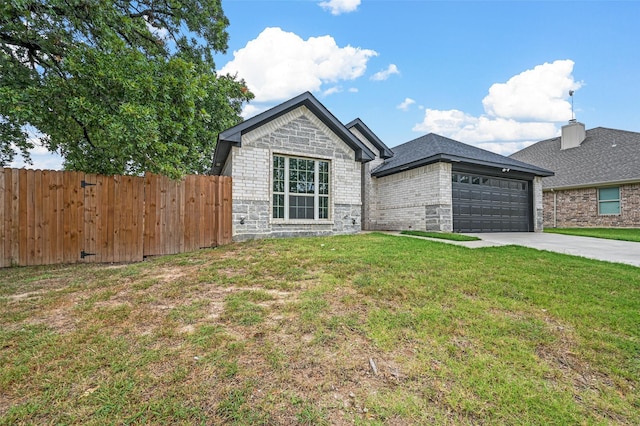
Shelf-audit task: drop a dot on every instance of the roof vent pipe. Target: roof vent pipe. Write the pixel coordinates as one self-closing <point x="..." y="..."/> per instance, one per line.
<point x="573" y="134"/>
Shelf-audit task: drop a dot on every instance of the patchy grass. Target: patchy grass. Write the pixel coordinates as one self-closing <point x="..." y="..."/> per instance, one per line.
<point x="287" y="331"/>
<point x="441" y="235"/>
<point x="623" y="234"/>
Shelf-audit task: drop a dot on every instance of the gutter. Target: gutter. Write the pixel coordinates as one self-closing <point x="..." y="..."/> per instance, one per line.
<point x="592" y="185"/>
<point x="448" y="158"/>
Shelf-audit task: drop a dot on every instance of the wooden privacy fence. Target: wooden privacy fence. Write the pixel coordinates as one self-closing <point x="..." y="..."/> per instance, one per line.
<point x="49" y="217"/>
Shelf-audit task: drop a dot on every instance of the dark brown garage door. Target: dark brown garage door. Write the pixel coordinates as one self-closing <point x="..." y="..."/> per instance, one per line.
<point x="490" y="204"/>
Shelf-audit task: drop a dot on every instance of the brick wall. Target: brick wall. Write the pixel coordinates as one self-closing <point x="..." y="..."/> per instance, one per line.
<point x="297" y="133"/>
<point x="417" y="199"/>
<point x="578" y="208"/>
<point x="368" y="188"/>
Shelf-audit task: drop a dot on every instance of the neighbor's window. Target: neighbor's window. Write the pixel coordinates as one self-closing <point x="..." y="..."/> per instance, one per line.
<point x="609" y="200"/>
<point x="300" y="188"/>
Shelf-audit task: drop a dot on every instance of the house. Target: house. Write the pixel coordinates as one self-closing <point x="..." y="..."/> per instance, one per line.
<point x="597" y="177"/>
<point x="298" y="171"/>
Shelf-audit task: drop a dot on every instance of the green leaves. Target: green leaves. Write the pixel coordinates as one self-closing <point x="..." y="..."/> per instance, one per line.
<point x="117" y="87"/>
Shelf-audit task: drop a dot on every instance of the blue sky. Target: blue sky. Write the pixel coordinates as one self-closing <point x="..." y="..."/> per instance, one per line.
<point x="493" y="74"/>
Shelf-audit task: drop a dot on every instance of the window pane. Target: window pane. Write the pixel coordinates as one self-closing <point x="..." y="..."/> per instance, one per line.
<point x="323" y="209"/>
<point x="301" y="176"/>
<point x="610" y="207"/>
<point x="323" y="178"/>
<point x="278" y="206"/>
<point x="301" y="207"/>
<point x="607" y="194"/>
<point x="463" y="179"/>
<point x="278" y="173"/>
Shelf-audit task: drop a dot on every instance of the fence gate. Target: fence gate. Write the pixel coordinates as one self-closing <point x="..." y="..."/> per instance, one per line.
<point x="113" y="218"/>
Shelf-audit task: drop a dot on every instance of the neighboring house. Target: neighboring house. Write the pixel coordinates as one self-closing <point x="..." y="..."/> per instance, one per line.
<point x="597" y="177"/>
<point x="298" y="171"/>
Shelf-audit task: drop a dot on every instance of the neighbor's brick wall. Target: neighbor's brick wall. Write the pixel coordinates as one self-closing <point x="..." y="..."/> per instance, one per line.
<point x="578" y="208"/>
<point x="418" y="199"/>
<point x="297" y="133"/>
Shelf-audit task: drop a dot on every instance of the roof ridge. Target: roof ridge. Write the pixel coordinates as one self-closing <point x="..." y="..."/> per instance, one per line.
<point x="615" y="130"/>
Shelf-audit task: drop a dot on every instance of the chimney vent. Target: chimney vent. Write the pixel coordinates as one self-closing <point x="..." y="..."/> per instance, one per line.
<point x="573" y="134"/>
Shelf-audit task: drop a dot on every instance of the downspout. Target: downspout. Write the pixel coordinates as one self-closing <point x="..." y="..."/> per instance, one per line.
<point x="555" y="208"/>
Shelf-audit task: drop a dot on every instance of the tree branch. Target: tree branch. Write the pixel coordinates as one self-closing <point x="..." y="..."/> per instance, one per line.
<point x="84" y="131"/>
<point x="9" y="39"/>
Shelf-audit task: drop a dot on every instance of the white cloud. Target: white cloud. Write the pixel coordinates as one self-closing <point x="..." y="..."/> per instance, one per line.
<point x="41" y="160"/>
<point x="385" y="74"/>
<point x="278" y="64"/>
<point x="160" y="32"/>
<point x="539" y="94"/>
<point x="336" y="7"/>
<point x="353" y="90"/>
<point x="40" y="157"/>
<point x="524" y="109"/>
<point x="406" y="104"/>
<point x="250" y="110"/>
<point x="332" y="90"/>
<point x="467" y="128"/>
<point x="505" y="148"/>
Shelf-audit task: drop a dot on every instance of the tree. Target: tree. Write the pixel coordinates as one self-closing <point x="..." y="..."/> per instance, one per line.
<point x="116" y="87"/>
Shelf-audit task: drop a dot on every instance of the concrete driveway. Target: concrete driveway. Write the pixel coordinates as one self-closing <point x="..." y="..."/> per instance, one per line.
<point x="593" y="248"/>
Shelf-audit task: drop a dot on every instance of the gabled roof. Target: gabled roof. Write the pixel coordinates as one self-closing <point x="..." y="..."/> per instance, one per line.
<point x="433" y="148"/>
<point x="233" y="136"/>
<point x="358" y="124"/>
<point x="605" y="156"/>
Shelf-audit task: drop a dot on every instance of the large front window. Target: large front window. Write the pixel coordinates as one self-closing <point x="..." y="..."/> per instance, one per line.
<point x="300" y="188"/>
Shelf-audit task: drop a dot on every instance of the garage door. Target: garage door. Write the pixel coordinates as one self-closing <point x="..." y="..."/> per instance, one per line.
<point x="490" y="204"/>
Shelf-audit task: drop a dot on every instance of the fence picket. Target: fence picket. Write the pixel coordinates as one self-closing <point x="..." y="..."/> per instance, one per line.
<point x="47" y="217"/>
<point x="4" y="237"/>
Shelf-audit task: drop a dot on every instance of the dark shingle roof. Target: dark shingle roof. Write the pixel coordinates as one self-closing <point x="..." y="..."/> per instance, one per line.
<point x="605" y="156"/>
<point x="233" y="136"/>
<point x="358" y="124"/>
<point x="432" y="148"/>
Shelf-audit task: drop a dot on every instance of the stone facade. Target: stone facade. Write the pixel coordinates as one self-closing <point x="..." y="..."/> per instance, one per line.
<point x="418" y="199"/>
<point x="298" y="133"/>
<point x="578" y="208"/>
<point x="538" y="205"/>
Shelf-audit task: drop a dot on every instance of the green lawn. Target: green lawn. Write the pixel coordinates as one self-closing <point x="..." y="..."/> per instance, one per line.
<point x="286" y="332"/>
<point x="624" y="234"/>
<point x="441" y="235"/>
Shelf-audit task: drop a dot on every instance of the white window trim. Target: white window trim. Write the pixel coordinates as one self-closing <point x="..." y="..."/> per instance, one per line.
<point x="316" y="195"/>
<point x="619" y="201"/>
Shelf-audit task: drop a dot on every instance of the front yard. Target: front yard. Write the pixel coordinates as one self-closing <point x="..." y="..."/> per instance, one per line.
<point x="367" y="329"/>
<point x="623" y="234"/>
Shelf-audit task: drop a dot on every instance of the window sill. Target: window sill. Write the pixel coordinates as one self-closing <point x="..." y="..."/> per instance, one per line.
<point x="301" y="222"/>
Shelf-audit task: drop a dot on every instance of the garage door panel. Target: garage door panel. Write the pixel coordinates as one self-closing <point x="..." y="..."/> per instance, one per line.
<point x="489" y="204"/>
